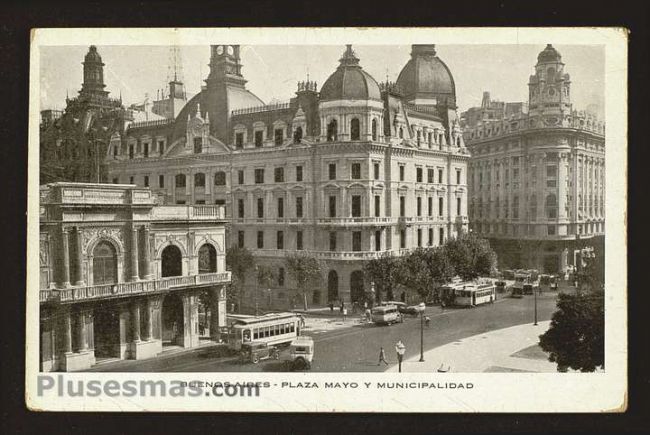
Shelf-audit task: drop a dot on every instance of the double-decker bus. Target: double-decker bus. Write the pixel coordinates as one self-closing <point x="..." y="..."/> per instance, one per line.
<point x="272" y="328"/>
<point x="475" y="293"/>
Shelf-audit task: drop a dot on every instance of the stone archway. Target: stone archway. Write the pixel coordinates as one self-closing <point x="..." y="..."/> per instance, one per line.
<point x="332" y="286"/>
<point x="173" y="320"/>
<point x="104" y="263"/>
<point x="357" y="291"/>
<point x="171" y="261"/>
<point x="207" y="259"/>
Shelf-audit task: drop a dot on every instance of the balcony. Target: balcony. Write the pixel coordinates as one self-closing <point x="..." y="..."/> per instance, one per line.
<point x="189" y="212"/>
<point x="123" y="289"/>
<point x="355" y="221"/>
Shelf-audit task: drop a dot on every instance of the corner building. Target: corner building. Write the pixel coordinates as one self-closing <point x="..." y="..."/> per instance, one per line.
<point x="537" y="178"/>
<point x="344" y="174"/>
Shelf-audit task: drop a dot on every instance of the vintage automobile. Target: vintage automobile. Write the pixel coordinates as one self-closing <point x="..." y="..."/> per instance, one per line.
<point x="256" y="351"/>
<point x="301" y="353"/>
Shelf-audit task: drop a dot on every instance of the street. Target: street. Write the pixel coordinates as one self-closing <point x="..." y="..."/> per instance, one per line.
<point x="355" y="348"/>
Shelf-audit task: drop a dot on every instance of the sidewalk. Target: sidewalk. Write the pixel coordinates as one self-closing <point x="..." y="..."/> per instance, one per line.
<point x="511" y="349"/>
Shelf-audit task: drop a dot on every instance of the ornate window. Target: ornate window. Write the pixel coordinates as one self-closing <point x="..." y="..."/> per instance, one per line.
<point x="355" y="129"/>
<point x="550" y="206"/>
<point x="199" y="180"/>
<point x="207" y="259"/>
<point x="220" y="178"/>
<point x="180" y="180"/>
<point x="332" y="130"/>
<point x="374" y="129"/>
<point x="104" y="264"/>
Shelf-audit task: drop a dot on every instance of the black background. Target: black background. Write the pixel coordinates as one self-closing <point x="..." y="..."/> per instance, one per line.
<point x="16" y="20"/>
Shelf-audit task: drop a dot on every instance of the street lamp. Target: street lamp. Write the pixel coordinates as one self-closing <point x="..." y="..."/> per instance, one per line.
<point x="421" y="308"/>
<point x="535" y="293"/>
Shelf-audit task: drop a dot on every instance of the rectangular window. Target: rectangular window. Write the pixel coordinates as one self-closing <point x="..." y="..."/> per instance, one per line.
<point x="279" y="175"/>
<point x="551" y="171"/>
<point x="376" y="170"/>
<point x="356" y="241"/>
<point x="116" y="181"/>
<point x="356" y="171"/>
<point x="299" y="240"/>
<point x="146" y="181"/>
<point x="239" y="140"/>
<point x="199" y="180"/>
<point x="333" y="241"/>
<point x="280" y="240"/>
<point x="332" y="206"/>
<point x="146" y="149"/>
<point x="458" y="206"/>
<point x="240" y="239"/>
<point x="402" y="206"/>
<point x="419" y="237"/>
<point x="260" y="240"/>
<point x="378" y="240"/>
<point x="161" y="181"/>
<point x="280" y="207"/>
<point x="298" y="173"/>
<point x="430" y="175"/>
<point x="551" y="230"/>
<point x="180" y="202"/>
<point x="332" y="171"/>
<point x="401" y="172"/>
<point x="430" y="236"/>
<point x="441" y="236"/>
<point x="299" y="206"/>
<point x="356" y="206"/>
<point x="259" y="138"/>
<point x="131" y="151"/>
<point x="418" y="175"/>
<point x="240" y="177"/>
<point x="161" y="147"/>
<point x="377" y="205"/>
<point x="131" y="180"/>
<point x="441" y="203"/>
<point x="402" y="239"/>
<point x="278" y="136"/>
<point x="198" y="145"/>
<point x="260" y="208"/>
<point x="281" y="277"/>
<point x="419" y="205"/>
<point x="430" y="206"/>
<point x="440" y="172"/>
<point x="457" y="176"/>
<point x="259" y="176"/>
<point x="199" y="201"/>
<point x="240" y="208"/>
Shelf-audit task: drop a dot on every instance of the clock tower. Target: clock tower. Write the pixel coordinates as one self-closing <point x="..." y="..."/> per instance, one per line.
<point x="549" y="88"/>
<point x="225" y="66"/>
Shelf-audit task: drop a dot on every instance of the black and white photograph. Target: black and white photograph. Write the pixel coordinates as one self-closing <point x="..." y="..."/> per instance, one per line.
<point x="407" y="211"/>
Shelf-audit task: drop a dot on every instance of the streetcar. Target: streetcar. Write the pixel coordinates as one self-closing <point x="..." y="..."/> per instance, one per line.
<point x="272" y="329"/>
<point x="476" y="293"/>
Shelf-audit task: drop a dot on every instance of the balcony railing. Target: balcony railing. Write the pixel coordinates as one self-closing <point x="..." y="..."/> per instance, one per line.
<point x="189" y="212"/>
<point x="122" y="289"/>
<point x="356" y="220"/>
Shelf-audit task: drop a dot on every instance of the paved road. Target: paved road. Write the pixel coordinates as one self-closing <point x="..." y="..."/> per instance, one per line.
<point x="356" y="349"/>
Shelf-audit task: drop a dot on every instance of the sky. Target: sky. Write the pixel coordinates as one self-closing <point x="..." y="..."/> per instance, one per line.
<point x="272" y="71"/>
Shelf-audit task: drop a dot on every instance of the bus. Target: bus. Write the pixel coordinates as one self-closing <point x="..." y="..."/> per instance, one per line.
<point x="272" y="328"/>
<point x="476" y="293"/>
<point x="385" y="315"/>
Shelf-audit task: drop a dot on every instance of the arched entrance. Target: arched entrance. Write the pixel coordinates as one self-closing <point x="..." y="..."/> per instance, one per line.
<point x="332" y="286"/>
<point x="172" y="320"/>
<point x="357" y="293"/>
<point x="104" y="264"/>
<point x="207" y="259"/>
<point x="172" y="261"/>
<point x="106" y="331"/>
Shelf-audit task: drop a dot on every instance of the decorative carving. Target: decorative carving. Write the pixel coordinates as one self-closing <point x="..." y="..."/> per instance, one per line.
<point x="91" y="234"/>
<point x="44" y="253"/>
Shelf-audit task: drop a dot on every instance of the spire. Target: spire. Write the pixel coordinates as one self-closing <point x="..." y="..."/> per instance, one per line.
<point x="349" y="57"/>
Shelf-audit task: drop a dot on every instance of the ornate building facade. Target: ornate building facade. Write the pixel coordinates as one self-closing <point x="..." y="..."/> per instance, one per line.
<point x="121" y="276"/>
<point x="344" y="174"/>
<point x="537" y="179"/>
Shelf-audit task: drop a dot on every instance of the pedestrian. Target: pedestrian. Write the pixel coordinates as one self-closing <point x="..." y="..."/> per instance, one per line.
<point x="368" y="315"/>
<point x="331" y="307"/>
<point x="302" y="321"/>
<point x="382" y="357"/>
<point x="442" y="304"/>
<point x="345" y="313"/>
<point x="427" y="321"/>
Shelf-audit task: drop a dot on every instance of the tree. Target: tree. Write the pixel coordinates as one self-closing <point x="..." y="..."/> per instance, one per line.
<point x="265" y="277"/>
<point x="239" y="261"/>
<point x="306" y="271"/>
<point x="383" y="271"/>
<point x="576" y="338"/>
<point x="471" y="256"/>
<point x="414" y="272"/>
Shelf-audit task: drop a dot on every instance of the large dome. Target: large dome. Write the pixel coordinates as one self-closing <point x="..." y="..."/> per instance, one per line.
<point x="549" y="54"/>
<point x="350" y="81"/>
<point x="426" y="77"/>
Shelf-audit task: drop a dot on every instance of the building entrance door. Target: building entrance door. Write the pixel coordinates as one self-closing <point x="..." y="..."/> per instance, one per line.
<point x="357" y="293"/>
<point x="106" y="329"/>
<point x="332" y="286"/>
<point x="172" y="320"/>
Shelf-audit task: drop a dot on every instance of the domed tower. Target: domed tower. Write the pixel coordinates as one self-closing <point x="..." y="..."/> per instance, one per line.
<point x="93" y="83"/>
<point x="350" y="103"/>
<point x="549" y="87"/>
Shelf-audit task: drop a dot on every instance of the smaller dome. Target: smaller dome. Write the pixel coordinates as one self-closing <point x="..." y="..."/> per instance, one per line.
<point x="350" y="81"/>
<point x="93" y="55"/>
<point x="549" y="54"/>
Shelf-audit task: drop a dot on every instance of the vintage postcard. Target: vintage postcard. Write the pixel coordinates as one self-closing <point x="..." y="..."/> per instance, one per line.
<point x="327" y="220"/>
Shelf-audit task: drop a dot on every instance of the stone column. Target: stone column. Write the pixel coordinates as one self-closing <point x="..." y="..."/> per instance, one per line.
<point x="214" y="313"/>
<point x="65" y="248"/>
<point x="81" y="331"/>
<point x="67" y="332"/>
<point x="146" y="248"/>
<point x="135" y="321"/>
<point x="148" y="330"/>
<point x="78" y="276"/>
<point x="134" y="254"/>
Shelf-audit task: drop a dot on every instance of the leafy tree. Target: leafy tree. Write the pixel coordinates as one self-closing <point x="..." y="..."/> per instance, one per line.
<point x="306" y="271"/>
<point x="414" y="272"/>
<point x="576" y="338"/>
<point x="239" y="261"/>
<point x="383" y="271"/>
<point x="471" y="256"/>
<point x="265" y="278"/>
